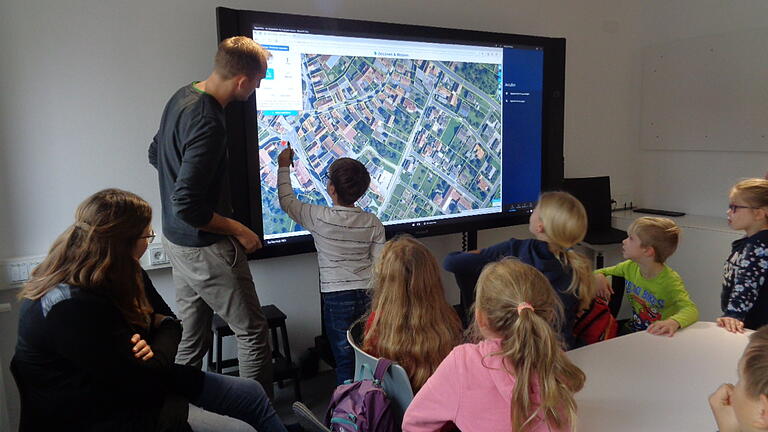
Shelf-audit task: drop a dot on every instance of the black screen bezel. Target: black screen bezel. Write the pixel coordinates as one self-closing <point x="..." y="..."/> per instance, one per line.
<point x="242" y="132"/>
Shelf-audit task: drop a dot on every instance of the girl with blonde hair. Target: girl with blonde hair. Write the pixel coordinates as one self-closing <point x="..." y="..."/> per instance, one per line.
<point x="557" y="223"/>
<point x="517" y="377"/>
<point x="744" y="298"/>
<point x="410" y="322"/>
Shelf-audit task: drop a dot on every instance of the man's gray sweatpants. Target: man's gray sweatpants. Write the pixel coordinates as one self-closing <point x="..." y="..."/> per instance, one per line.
<point x="217" y="278"/>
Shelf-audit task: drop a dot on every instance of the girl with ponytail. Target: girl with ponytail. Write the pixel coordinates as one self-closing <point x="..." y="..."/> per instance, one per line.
<point x="517" y="377"/>
<point x="558" y="223"/>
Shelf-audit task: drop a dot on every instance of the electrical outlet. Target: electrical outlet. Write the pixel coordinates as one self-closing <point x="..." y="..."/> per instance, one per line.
<point x="34" y="262"/>
<point x="18" y="270"/>
<point x="157" y="255"/>
<point x="623" y="201"/>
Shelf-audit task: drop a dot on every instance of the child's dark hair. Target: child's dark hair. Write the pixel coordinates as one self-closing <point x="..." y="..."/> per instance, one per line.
<point x="350" y="178"/>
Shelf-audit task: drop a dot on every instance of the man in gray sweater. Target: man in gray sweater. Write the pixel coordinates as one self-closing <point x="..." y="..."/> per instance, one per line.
<point x="207" y="248"/>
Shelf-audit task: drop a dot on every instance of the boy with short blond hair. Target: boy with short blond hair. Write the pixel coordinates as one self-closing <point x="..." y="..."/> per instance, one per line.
<point x="662" y="234"/>
<point x="660" y="302"/>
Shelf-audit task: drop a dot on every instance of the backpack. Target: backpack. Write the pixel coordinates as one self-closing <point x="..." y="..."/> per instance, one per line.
<point x="362" y="406"/>
<point x="596" y="323"/>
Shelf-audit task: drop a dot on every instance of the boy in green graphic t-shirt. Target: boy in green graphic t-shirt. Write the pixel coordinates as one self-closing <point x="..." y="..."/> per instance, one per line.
<point x="657" y="293"/>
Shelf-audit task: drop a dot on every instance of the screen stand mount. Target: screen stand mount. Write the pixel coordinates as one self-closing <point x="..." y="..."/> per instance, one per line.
<point x="469" y="240"/>
<point x="468" y="243"/>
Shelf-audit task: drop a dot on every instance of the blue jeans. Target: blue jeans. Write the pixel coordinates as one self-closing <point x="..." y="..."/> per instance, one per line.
<point x="341" y="309"/>
<point x="229" y="403"/>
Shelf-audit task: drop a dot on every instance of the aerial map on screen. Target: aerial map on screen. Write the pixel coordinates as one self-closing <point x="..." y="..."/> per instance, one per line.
<point x="428" y="131"/>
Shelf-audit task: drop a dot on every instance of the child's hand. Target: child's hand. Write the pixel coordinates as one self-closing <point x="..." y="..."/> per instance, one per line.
<point x="720" y="403"/>
<point x="141" y="348"/>
<point x="731" y="324"/>
<point x="284" y="158"/>
<point x="664" y="327"/>
<point x="604" y="288"/>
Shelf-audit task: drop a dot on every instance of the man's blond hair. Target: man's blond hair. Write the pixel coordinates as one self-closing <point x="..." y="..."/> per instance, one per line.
<point x="240" y="55"/>
<point x="662" y="234"/>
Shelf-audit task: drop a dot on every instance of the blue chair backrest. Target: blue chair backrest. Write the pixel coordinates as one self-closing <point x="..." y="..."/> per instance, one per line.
<point x="396" y="382"/>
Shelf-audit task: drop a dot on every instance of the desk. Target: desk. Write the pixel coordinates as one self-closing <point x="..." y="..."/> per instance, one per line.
<point x="621" y="220"/>
<point x="641" y="382"/>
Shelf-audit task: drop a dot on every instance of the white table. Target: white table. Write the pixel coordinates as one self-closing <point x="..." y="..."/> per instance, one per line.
<point x="641" y="382"/>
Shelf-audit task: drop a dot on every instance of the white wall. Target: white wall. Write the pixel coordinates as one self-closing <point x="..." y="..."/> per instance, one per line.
<point x="85" y="81"/>
<point x="697" y="182"/>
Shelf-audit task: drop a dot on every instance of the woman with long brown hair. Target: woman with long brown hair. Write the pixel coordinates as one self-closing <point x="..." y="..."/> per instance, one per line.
<point x="96" y="342"/>
<point x="410" y="322"/>
<point x="516" y="377"/>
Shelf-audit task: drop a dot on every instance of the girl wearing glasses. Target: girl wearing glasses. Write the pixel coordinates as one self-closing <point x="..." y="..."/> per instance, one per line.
<point x="96" y="342"/>
<point x="744" y="299"/>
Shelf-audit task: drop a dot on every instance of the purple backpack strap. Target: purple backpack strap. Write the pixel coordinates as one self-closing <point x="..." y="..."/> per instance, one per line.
<point x="381" y="368"/>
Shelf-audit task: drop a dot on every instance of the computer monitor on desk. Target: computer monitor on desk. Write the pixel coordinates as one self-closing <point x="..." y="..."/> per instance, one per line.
<point x="595" y="194"/>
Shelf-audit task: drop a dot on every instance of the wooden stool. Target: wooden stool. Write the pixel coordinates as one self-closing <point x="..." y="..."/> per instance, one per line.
<point x="282" y="366"/>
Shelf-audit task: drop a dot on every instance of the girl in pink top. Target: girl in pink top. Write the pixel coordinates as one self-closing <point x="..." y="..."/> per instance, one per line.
<point x="517" y="378"/>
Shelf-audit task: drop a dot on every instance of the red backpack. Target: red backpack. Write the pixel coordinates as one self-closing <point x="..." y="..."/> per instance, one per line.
<point x="596" y="323"/>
